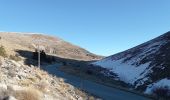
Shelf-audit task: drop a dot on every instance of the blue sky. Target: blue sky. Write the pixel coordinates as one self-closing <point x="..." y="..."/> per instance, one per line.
<point x="103" y="27"/>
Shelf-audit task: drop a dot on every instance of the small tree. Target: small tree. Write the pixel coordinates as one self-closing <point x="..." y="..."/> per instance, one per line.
<point x="42" y="55"/>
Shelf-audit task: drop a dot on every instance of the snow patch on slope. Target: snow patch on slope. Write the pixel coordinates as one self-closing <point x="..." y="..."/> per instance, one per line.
<point x="133" y="64"/>
<point x="125" y="71"/>
<point x="162" y="83"/>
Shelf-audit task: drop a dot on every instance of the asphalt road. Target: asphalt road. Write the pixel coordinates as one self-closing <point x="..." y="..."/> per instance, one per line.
<point x="105" y="92"/>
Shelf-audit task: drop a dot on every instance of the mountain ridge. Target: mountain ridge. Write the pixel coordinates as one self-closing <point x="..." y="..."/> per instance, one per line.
<point x="143" y="65"/>
<point x="53" y="45"/>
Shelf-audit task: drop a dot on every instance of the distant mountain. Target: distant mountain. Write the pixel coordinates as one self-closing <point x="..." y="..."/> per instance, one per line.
<point x="144" y="66"/>
<point x="53" y="45"/>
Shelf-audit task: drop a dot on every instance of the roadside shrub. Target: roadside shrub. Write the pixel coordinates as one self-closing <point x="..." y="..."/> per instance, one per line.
<point x="2" y="52"/>
<point x="16" y="58"/>
<point x="162" y="92"/>
<point x="43" y="57"/>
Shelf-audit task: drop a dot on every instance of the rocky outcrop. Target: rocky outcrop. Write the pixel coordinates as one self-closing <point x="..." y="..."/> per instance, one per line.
<point x="19" y="81"/>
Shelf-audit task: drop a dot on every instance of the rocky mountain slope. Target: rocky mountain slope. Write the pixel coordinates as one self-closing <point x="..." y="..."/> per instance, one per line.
<point x="21" y="82"/>
<point x="146" y="66"/>
<point x="53" y="45"/>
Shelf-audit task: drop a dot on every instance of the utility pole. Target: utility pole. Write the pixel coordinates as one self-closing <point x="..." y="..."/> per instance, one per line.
<point x="81" y="84"/>
<point x="81" y="80"/>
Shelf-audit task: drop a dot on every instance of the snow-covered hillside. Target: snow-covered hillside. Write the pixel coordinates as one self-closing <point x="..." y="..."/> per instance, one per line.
<point x="143" y="65"/>
<point x="124" y="69"/>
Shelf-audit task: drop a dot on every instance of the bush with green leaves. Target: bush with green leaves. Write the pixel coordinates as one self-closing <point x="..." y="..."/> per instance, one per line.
<point x="2" y="52"/>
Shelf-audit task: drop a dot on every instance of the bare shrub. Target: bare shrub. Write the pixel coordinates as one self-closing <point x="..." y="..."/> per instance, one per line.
<point x="43" y="86"/>
<point x="2" y="52"/>
<point x="162" y="92"/>
<point x="25" y="82"/>
<point x="28" y="94"/>
<point x="15" y="58"/>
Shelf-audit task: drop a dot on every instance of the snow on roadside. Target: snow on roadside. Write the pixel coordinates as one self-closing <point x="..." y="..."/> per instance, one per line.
<point x="161" y="83"/>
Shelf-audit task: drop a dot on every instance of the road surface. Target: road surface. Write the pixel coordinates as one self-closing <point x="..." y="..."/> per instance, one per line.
<point x="105" y="92"/>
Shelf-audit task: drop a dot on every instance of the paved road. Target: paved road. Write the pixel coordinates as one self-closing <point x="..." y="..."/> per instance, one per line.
<point x="107" y="93"/>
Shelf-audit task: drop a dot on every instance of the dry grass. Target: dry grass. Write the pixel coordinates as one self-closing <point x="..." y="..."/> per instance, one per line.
<point x="15" y="57"/>
<point x="91" y="98"/>
<point x="3" y="51"/>
<point x="33" y="79"/>
<point x="24" y="94"/>
<point x="1" y="61"/>
<point x="43" y="86"/>
<point x="80" y="93"/>
<point x="14" y="41"/>
<point x="40" y="74"/>
<point x="28" y="94"/>
<point x="25" y="82"/>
